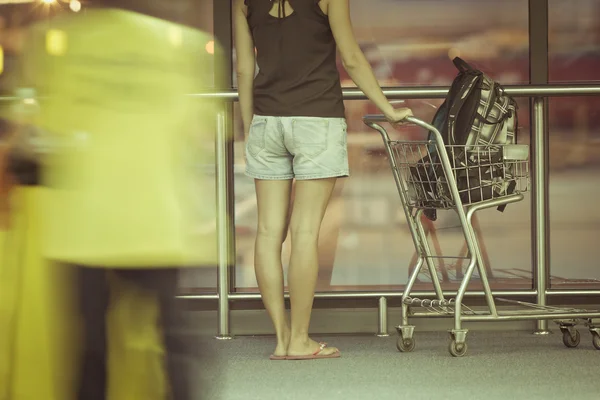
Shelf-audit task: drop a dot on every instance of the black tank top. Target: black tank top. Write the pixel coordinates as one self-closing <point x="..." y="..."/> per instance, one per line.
<point x="296" y="57"/>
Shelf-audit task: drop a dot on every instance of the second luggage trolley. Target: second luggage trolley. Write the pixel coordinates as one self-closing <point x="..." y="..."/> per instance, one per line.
<point x="426" y="174"/>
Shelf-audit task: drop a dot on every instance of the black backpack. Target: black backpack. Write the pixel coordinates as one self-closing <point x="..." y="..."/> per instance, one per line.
<point x="476" y="112"/>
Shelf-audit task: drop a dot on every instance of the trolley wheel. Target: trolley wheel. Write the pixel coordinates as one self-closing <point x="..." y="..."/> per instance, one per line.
<point x="405" y="345"/>
<point x="457" y="349"/>
<point x="596" y="341"/>
<point x="569" y="341"/>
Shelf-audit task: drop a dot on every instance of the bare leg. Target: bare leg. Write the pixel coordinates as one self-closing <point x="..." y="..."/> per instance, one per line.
<point x="329" y="236"/>
<point x="310" y="202"/>
<point x="273" y="198"/>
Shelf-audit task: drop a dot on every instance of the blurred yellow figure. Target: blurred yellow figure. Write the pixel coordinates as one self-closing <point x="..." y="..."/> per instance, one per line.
<point x="127" y="167"/>
<point x="127" y="199"/>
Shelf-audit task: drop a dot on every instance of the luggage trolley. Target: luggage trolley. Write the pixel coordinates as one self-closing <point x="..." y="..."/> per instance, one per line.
<point x="426" y="174"/>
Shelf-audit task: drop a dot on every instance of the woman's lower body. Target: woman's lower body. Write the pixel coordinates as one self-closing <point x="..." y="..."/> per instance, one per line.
<point x="313" y="151"/>
<point x="158" y="285"/>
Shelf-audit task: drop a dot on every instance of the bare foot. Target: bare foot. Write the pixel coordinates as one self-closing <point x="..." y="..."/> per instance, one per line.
<point x="309" y="347"/>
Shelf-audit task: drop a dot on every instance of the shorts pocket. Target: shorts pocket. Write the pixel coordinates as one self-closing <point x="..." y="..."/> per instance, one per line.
<point x="344" y="133"/>
<point x="256" y="136"/>
<point x="310" y="136"/>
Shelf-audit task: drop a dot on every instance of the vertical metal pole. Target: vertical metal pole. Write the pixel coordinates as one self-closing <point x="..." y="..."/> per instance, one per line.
<point x="383" y="318"/>
<point x="538" y="75"/>
<point x="540" y="208"/>
<point x="223" y="275"/>
<point x="222" y="26"/>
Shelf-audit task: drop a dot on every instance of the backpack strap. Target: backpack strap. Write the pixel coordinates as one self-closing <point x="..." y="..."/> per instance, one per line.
<point x="460" y="101"/>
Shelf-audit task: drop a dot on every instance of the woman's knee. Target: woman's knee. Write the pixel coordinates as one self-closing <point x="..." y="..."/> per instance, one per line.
<point x="271" y="234"/>
<point x="304" y="232"/>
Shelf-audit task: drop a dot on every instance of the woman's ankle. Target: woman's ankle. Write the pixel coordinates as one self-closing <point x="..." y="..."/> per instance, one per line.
<point x="283" y="335"/>
<point x="299" y="338"/>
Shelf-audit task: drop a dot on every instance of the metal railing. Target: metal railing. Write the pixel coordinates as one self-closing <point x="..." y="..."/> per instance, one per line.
<point x="432" y="92"/>
<point x="539" y="185"/>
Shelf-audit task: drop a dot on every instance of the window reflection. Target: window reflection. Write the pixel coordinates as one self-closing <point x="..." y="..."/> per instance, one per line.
<point x="574" y="190"/>
<point x="365" y="242"/>
<point x="574" y="46"/>
<point x="574" y="41"/>
<point x="411" y="42"/>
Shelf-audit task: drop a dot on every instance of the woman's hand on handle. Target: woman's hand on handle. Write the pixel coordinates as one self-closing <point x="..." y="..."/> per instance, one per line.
<point x="398" y="115"/>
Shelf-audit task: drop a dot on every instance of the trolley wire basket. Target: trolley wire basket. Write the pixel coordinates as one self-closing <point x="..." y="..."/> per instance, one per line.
<point x="480" y="172"/>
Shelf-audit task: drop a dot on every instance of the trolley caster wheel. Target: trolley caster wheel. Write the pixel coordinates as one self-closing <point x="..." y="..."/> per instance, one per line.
<point x="405" y="345"/>
<point x="457" y="349"/>
<point x="569" y="341"/>
<point x="596" y="341"/>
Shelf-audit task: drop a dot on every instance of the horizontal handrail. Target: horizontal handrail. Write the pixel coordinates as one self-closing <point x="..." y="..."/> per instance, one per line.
<point x="429" y="92"/>
<point x="432" y="92"/>
<point x="366" y="295"/>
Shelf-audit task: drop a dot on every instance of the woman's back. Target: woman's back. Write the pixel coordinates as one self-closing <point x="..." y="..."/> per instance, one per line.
<point x="296" y="56"/>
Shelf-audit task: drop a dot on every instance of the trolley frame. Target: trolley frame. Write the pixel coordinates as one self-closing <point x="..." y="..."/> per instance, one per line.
<point x="567" y="318"/>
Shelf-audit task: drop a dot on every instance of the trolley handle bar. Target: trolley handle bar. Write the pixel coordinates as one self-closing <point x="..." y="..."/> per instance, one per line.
<point x="373" y="119"/>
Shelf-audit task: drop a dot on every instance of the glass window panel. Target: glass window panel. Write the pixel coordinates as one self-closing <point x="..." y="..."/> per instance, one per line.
<point x="574" y="40"/>
<point x="365" y="242"/>
<point x="574" y="191"/>
<point x="411" y="42"/>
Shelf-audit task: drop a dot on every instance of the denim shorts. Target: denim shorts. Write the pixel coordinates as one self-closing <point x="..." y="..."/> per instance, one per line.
<point x="297" y="147"/>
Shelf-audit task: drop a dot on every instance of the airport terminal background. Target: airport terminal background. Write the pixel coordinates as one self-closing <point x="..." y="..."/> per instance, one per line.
<point x="410" y="43"/>
<point x="365" y="242"/>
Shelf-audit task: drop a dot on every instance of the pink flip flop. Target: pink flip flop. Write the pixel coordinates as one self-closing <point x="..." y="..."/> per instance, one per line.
<point x="273" y="357"/>
<point x="316" y="355"/>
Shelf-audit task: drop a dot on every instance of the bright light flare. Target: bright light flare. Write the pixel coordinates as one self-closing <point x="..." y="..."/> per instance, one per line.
<point x="75" y="5"/>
